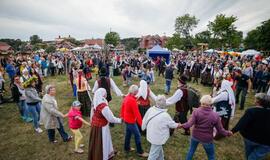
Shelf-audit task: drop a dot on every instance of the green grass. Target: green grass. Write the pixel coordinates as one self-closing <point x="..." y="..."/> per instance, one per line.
<point x="19" y="141"/>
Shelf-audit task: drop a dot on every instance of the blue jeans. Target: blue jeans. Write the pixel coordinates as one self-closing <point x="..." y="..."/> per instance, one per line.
<point x="61" y="130"/>
<point x="35" y="112"/>
<point x="23" y="108"/>
<point x="208" y="147"/>
<point x="133" y="129"/>
<point x="255" y="151"/>
<point x="74" y="90"/>
<point x="168" y="85"/>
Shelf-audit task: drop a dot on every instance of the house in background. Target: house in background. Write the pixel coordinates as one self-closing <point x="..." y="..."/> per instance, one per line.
<point x="150" y="41"/>
<point x="92" y="42"/>
<point x="5" y="49"/>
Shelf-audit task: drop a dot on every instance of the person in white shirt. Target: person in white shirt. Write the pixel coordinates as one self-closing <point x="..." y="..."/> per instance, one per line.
<point x="158" y="122"/>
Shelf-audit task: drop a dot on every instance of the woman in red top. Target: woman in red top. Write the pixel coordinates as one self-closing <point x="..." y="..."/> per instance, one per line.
<point x="100" y="143"/>
<point x="75" y="122"/>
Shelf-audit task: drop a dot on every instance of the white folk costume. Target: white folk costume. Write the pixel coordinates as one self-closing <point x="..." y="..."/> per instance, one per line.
<point x="100" y="143"/>
<point x="206" y="76"/>
<point x="107" y="83"/>
<point x="224" y="103"/>
<point x="143" y="95"/>
<point x="180" y="99"/>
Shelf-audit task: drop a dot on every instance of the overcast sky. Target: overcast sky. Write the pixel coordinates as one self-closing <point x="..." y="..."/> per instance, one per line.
<point x="130" y="18"/>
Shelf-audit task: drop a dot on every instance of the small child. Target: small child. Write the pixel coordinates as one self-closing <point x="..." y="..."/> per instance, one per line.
<point x="75" y="123"/>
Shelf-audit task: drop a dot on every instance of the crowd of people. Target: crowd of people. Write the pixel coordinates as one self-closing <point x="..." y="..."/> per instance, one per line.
<point x="231" y="79"/>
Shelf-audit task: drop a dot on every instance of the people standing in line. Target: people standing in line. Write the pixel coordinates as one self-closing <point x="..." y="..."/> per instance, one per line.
<point x="158" y="122"/>
<point x="51" y="117"/>
<point x="243" y="86"/>
<point x="131" y="116"/>
<point x="75" y="122"/>
<point x="204" y="120"/>
<point x="100" y="142"/>
<point x="255" y="129"/>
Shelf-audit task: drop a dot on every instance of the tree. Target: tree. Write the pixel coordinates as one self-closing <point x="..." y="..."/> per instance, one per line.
<point x="15" y="44"/>
<point x="185" y="24"/>
<point x="112" y="38"/>
<point x="175" y="42"/>
<point x="224" y="31"/>
<point x="203" y="37"/>
<point x="130" y="43"/>
<point x="34" y="39"/>
<point x="259" y="38"/>
<point x="50" y="49"/>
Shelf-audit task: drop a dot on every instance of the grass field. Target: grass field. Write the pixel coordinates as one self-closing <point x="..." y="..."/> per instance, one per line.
<point x="20" y="142"/>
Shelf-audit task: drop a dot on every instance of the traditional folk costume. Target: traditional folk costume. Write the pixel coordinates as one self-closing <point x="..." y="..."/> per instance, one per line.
<point x="195" y="71"/>
<point x="107" y="83"/>
<point x="224" y="103"/>
<point x="143" y="96"/>
<point x="83" y="97"/>
<point x="100" y="143"/>
<point x="180" y="99"/>
<point x="187" y="72"/>
<point x="206" y="77"/>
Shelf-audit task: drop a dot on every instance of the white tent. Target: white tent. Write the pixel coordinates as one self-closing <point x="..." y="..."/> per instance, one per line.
<point x="250" y="52"/>
<point x="211" y="51"/>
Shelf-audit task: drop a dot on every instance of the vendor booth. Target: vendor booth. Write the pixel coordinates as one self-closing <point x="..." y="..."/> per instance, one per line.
<point x="158" y="51"/>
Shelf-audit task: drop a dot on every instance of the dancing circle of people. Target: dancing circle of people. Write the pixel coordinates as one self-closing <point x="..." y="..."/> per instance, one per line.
<point x="210" y="114"/>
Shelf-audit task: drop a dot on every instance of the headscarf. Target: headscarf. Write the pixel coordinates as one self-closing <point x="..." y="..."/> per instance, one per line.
<point x="227" y="86"/>
<point x="99" y="97"/>
<point x="142" y="92"/>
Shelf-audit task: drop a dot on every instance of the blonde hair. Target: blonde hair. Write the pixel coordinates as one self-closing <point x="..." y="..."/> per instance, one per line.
<point x="206" y="100"/>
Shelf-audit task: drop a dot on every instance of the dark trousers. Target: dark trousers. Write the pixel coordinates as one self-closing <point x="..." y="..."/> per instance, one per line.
<point x="133" y="129"/>
<point x="182" y="118"/>
<point x="243" y="92"/>
<point x="61" y="130"/>
<point x="261" y="86"/>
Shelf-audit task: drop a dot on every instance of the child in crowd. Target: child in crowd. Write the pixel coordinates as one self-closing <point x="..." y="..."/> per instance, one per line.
<point x="75" y="123"/>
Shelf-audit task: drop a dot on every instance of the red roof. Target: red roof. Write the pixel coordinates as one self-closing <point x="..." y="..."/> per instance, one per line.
<point x="5" y="47"/>
<point x="99" y="42"/>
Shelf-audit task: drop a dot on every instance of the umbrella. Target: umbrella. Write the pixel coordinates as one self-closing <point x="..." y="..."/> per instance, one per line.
<point x="250" y="52"/>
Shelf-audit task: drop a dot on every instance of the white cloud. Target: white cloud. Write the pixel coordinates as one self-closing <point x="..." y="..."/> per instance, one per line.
<point x="89" y="18"/>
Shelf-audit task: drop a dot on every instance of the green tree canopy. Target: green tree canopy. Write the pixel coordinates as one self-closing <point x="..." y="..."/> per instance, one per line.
<point x="130" y="43"/>
<point x="175" y="42"/>
<point x="34" y="39"/>
<point x="259" y="38"/>
<point x="112" y="38"/>
<point x="224" y="31"/>
<point x="185" y="24"/>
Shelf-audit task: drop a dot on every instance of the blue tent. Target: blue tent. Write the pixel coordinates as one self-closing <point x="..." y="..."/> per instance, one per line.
<point x="158" y="51"/>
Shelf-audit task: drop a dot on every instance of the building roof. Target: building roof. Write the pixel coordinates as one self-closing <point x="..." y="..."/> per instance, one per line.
<point x="99" y="42"/>
<point x="5" y="47"/>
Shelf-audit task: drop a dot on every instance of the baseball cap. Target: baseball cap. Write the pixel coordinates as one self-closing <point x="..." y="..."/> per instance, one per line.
<point x="76" y="103"/>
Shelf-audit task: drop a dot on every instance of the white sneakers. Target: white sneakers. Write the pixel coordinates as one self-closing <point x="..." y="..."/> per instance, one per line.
<point x="38" y="130"/>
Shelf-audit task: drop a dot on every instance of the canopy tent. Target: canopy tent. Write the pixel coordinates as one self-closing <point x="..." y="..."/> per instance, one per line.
<point x="211" y="51"/>
<point x="250" y="52"/>
<point x="159" y="51"/>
